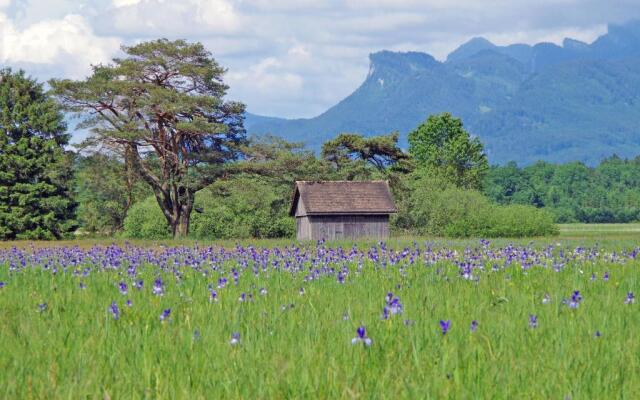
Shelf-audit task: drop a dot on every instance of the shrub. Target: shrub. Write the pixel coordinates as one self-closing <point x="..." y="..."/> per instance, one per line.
<point x="441" y="210"/>
<point x="241" y="207"/>
<point x="146" y="221"/>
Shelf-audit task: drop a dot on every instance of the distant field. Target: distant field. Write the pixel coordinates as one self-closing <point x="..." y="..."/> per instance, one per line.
<point x="605" y="231"/>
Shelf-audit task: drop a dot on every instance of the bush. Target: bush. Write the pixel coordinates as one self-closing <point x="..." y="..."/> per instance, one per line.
<point x="146" y="221"/>
<point x="442" y="210"/>
<point x="237" y="208"/>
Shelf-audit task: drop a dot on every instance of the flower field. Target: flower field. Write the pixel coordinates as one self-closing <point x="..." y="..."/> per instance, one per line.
<point x="413" y="320"/>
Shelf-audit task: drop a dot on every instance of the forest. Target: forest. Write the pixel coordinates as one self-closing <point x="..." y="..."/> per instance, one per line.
<point x="168" y="155"/>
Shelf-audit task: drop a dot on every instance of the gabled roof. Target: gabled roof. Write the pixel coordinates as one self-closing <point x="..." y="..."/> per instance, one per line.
<point x="342" y="197"/>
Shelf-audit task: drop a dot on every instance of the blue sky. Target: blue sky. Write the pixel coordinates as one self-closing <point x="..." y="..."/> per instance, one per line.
<point x="288" y="58"/>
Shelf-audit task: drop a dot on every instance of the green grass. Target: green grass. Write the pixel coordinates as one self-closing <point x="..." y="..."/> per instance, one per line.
<point x="76" y="349"/>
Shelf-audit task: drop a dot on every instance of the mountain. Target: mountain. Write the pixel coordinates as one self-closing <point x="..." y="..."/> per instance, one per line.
<point x="547" y="102"/>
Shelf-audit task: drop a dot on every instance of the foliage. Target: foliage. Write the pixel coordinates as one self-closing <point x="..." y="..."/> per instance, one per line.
<point x="36" y="199"/>
<point x="162" y="109"/>
<point x="146" y="221"/>
<point x="239" y="207"/>
<point x="105" y="191"/>
<point x="573" y="192"/>
<point x="438" y="208"/>
<point x="379" y="151"/>
<point x="442" y="144"/>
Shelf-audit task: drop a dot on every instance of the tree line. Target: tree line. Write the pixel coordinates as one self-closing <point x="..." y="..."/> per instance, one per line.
<point x="168" y="155"/>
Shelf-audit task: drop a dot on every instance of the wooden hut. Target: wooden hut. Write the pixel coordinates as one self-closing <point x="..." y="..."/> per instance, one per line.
<point x="342" y="209"/>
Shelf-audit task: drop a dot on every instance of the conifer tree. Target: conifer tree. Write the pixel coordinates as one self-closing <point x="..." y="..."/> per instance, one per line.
<point x="36" y="199"/>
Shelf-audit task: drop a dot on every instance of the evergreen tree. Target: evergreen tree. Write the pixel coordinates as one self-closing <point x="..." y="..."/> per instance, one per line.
<point x="36" y="199"/>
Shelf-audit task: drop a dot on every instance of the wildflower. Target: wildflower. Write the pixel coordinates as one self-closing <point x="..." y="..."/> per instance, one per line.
<point x="263" y="292"/>
<point x="114" y="310"/>
<point x="165" y="314"/>
<point x="533" y="321"/>
<point x="42" y="307"/>
<point x="196" y="335"/>
<point x="242" y="297"/>
<point x="2" y="284"/>
<point x="575" y="300"/>
<point x="630" y="298"/>
<point x="593" y="277"/>
<point x="129" y="303"/>
<point x="158" y="287"/>
<point x="82" y="286"/>
<point x="213" y="296"/>
<point x="362" y="337"/>
<point x="138" y="284"/>
<point x="235" y="338"/>
<point x="445" y="325"/>
<point x="345" y="316"/>
<point x="409" y="322"/>
<point x="123" y="288"/>
<point x="474" y="326"/>
<point x="597" y="334"/>
<point x="546" y="299"/>
<point x="301" y="291"/>
<point x="605" y="277"/>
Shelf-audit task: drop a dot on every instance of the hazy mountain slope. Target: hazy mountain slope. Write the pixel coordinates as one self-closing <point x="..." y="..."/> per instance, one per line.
<point x="577" y="101"/>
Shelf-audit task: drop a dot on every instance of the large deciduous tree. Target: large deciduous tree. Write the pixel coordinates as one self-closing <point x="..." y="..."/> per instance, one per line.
<point x="442" y="145"/>
<point x="36" y="196"/>
<point x="162" y="108"/>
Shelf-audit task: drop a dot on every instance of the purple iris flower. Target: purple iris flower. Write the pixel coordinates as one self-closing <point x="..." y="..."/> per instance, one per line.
<point x="165" y="314"/>
<point x="445" y="325"/>
<point x="129" y="303"/>
<point x="139" y="284"/>
<point x="123" y="288"/>
<point x="575" y="300"/>
<point x="533" y="321"/>
<point x="546" y="299"/>
<point x="263" y="292"/>
<point x="115" y="311"/>
<point x="214" y="296"/>
<point x="593" y="277"/>
<point x="361" y="333"/>
<point x="597" y="334"/>
<point x="235" y="338"/>
<point x="605" y="277"/>
<point x="301" y="291"/>
<point x="2" y="284"/>
<point x="385" y="313"/>
<point x="242" y="297"/>
<point x="158" y="287"/>
<point x="630" y="298"/>
<point x="474" y="326"/>
<point x="42" y="307"/>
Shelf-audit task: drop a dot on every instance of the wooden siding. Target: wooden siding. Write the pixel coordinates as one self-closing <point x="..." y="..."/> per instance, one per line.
<point x="331" y="227"/>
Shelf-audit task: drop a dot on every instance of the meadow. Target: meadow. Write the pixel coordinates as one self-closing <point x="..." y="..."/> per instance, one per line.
<point x="412" y="318"/>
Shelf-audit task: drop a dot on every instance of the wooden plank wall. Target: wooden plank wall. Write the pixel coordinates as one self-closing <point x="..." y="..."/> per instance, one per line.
<point x="303" y="228"/>
<point x="343" y="227"/>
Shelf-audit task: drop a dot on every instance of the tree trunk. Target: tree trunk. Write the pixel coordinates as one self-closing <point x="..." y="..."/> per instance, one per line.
<point x="181" y="227"/>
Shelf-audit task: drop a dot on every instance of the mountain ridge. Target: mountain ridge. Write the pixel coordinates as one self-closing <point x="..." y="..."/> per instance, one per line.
<point x="575" y="102"/>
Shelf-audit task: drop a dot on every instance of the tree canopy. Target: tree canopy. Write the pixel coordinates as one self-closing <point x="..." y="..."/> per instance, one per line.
<point x="161" y="108"/>
<point x="443" y="145"/>
<point x="36" y="198"/>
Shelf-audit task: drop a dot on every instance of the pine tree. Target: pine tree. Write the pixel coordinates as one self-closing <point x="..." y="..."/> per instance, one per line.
<point x="36" y="198"/>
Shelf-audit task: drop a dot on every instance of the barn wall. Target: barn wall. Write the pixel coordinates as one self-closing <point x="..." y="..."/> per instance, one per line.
<point x="303" y="228"/>
<point x="332" y="227"/>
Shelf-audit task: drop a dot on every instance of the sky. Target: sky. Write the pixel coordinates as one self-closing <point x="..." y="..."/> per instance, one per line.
<point x="286" y="58"/>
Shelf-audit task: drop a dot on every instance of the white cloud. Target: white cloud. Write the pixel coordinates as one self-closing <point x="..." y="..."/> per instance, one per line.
<point x="67" y="44"/>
